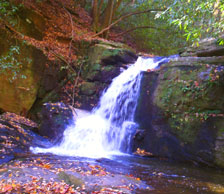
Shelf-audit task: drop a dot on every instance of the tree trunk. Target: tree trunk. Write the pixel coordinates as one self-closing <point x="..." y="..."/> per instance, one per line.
<point x="95" y="16"/>
<point x="107" y="20"/>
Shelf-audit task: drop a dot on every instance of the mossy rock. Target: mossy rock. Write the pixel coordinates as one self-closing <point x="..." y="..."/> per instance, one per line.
<point x="189" y="95"/>
<point x="71" y="179"/>
<point x="184" y="106"/>
<point x="105" y="53"/>
<point x="88" y="88"/>
<point x="17" y="94"/>
<point x="100" y="51"/>
<point x="190" y="89"/>
<point x="185" y="127"/>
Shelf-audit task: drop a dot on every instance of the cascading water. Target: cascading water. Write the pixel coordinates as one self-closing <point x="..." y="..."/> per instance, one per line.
<point x="110" y="126"/>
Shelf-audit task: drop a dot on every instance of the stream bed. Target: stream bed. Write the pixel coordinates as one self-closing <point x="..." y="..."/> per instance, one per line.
<point x="120" y="174"/>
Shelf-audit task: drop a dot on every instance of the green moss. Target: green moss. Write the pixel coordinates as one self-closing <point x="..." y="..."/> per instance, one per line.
<point x="180" y="89"/>
<point x="88" y="88"/>
<point x="185" y="126"/>
<point x="108" y="68"/>
<point x="111" y="52"/>
<point x="188" y="98"/>
<point x="71" y="179"/>
<point x="96" y="67"/>
<point x="91" y="75"/>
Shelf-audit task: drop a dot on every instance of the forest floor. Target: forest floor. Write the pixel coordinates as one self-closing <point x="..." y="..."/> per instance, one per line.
<point x="66" y="25"/>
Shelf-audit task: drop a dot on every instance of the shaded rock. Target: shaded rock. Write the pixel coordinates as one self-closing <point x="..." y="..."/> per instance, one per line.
<point x="1" y="111"/>
<point x="181" y="109"/>
<point x="104" y="61"/>
<point x="219" y="143"/>
<point x="55" y="117"/>
<point x="49" y="90"/>
<point x="88" y="88"/>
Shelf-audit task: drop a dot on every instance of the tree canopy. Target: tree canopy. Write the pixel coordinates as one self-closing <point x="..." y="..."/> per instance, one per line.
<point x="154" y="26"/>
<point x="162" y="23"/>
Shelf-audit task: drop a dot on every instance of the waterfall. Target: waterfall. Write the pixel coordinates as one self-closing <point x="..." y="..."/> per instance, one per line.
<point x="109" y="128"/>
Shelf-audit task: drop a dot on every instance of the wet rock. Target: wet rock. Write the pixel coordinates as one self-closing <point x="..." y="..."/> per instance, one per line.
<point x="139" y="135"/>
<point x="16" y="136"/>
<point x="55" y="117"/>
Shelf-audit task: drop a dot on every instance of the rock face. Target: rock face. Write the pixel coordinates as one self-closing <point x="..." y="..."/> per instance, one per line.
<point x="105" y="61"/>
<point x="181" y="108"/>
<point x="25" y="73"/>
<point x="18" y="90"/>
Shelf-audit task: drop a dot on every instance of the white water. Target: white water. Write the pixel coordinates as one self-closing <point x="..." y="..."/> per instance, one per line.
<point x="109" y="128"/>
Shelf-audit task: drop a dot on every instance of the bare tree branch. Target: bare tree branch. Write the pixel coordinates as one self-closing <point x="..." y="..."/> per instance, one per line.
<point x="138" y="27"/>
<point x="123" y="17"/>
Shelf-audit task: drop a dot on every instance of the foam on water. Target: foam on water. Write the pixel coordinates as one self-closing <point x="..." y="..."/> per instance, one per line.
<point x="109" y="128"/>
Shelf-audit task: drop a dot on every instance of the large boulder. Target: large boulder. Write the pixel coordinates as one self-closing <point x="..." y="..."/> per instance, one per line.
<point x="105" y="60"/>
<point x="181" y="108"/>
<point x="26" y="76"/>
<point x="55" y="117"/>
<point x="19" y="82"/>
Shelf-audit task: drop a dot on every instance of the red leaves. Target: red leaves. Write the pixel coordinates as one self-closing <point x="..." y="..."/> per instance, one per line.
<point x="196" y="84"/>
<point x="18" y="119"/>
<point x="97" y="170"/>
<point x="6" y="188"/>
<point x="36" y="186"/>
<point x="141" y="152"/>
